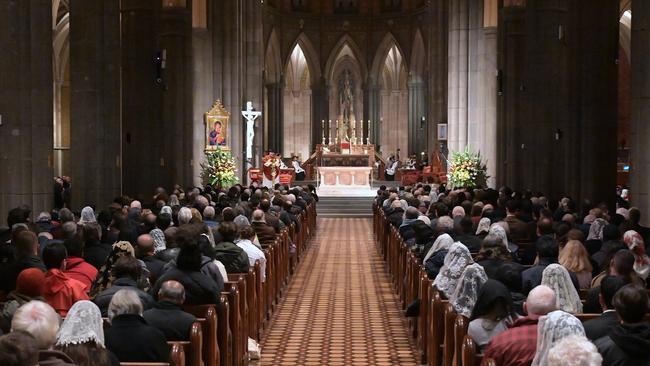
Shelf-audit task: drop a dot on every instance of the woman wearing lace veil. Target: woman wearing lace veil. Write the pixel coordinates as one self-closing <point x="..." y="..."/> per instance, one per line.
<point x="456" y="260"/>
<point x="483" y="227"/>
<point x="87" y="216"/>
<point x="465" y="295"/>
<point x="635" y="244"/>
<point x="551" y="328"/>
<point x="557" y="278"/>
<point x="82" y="336"/>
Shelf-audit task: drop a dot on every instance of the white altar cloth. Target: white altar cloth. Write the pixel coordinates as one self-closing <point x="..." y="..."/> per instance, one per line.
<point x="344" y="181"/>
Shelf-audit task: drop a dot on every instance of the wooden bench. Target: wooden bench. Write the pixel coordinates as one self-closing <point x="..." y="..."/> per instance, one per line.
<point x="207" y="319"/>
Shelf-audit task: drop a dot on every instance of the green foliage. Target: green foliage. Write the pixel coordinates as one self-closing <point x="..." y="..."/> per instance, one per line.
<point x="219" y="169"/>
<point x="467" y="170"/>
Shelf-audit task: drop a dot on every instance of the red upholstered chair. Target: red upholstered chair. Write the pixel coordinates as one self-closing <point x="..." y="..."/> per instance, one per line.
<point x="285" y="178"/>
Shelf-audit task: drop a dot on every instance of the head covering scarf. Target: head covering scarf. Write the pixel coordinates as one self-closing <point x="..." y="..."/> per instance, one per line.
<point x="557" y="278"/>
<point x="499" y="232"/>
<point x="488" y="294"/>
<point x="83" y="324"/>
<point x="87" y="216"/>
<point x="159" y="243"/>
<point x="596" y="229"/>
<point x="465" y="295"/>
<point x="457" y="258"/>
<point x="550" y="329"/>
<point x="166" y="210"/>
<point x="443" y="242"/>
<point x="635" y="244"/>
<point x="483" y="226"/>
<point x="104" y="277"/>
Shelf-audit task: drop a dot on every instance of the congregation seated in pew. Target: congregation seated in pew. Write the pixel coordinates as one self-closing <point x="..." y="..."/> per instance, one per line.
<point x="178" y="261"/>
<point x="548" y="258"/>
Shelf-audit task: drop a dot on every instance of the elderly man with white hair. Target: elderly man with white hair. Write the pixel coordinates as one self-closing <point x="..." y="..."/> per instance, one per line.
<point x="184" y="216"/>
<point x="130" y="338"/>
<point x="518" y="344"/>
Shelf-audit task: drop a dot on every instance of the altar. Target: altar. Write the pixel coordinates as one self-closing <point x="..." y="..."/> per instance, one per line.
<point x="343" y="181"/>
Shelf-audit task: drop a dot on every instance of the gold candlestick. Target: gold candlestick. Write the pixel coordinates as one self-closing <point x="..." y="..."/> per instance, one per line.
<point x="369" y="133"/>
<point x="361" y="129"/>
<point x="329" y="131"/>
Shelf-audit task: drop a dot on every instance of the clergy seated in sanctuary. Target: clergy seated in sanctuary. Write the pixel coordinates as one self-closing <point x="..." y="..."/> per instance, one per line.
<point x="265" y="233"/>
<point x="168" y="316"/>
<point x="233" y="257"/>
<point x="627" y="343"/>
<point x="200" y="288"/>
<point x="517" y="345"/>
<point x="60" y="290"/>
<point x="129" y="337"/>
<point x="126" y="272"/>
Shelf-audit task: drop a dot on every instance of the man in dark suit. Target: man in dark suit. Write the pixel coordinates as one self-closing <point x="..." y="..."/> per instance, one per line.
<point x="270" y="217"/>
<point x="168" y="315"/>
<point x="601" y="326"/>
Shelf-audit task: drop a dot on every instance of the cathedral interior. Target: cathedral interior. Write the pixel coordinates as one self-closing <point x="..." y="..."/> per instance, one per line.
<point x="552" y="93"/>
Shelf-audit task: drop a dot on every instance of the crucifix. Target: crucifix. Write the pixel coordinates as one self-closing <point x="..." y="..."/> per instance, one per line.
<point x="250" y="114"/>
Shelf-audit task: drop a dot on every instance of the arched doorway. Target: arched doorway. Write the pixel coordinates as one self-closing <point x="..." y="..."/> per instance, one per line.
<point x="297" y="106"/>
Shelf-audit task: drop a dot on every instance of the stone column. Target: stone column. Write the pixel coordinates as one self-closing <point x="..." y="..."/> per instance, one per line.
<point x="276" y="107"/>
<point x="511" y="50"/>
<point x="372" y="105"/>
<point x="95" y="149"/>
<point x="318" y="114"/>
<point x="437" y="46"/>
<point x="176" y="39"/>
<point x="458" y="73"/>
<point x="202" y="95"/>
<point x="26" y="105"/>
<point x="640" y="129"/>
<point x="146" y="156"/>
<point x="417" y="132"/>
<point x="487" y="100"/>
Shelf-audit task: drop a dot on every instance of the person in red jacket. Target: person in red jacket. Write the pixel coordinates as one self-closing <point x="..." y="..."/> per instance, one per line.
<point x="61" y="291"/>
<point x="76" y="267"/>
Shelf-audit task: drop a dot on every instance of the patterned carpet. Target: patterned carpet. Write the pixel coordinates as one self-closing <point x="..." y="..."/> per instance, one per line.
<point x="340" y="308"/>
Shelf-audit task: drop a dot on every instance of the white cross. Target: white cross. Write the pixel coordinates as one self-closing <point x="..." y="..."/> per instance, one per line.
<point x="250" y="116"/>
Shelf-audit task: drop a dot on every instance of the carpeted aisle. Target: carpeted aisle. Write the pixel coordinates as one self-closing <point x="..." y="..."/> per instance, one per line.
<point x="340" y="308"/>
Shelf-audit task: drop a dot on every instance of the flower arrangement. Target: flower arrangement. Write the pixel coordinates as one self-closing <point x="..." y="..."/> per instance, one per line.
<point x="219" y="169"/>
<point x="467" y="170"/>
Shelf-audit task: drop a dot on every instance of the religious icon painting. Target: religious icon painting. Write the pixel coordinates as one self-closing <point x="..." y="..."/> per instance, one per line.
<point x="216" y="128"/>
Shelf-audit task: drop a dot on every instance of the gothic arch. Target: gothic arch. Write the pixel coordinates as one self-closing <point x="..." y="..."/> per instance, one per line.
<point x="273" y="59"/>
<point x="382" y="52"/>
<point x="311" y="56"/>
<point x="356" y="55"/>
<point x="61" y="85"/>
<point x="418" y="59"/>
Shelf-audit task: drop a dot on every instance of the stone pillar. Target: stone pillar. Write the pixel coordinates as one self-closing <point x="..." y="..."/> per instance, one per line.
<point x="458" y="73"/>
<point x="597" y="78"/>
<point x="511" y="50"/>
<point x="372" y="106"/>
<point x="417" y="132"/>
<point x="146" y="159"/>
<point x="202" y="95"/>
<point x="487" y="100"/>
<point x="438" y="62"/>
<point x="275" y="107"/>
<point x="95" y="151"/>
<point x="640" y="128"/>
<point x="546" y="96"/>
<point x="176" y="39"/>
<point x="26" y="105"/>
<point x="318" y="114"/>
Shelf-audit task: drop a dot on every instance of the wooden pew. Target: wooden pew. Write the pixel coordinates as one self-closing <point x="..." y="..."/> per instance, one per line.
<point x="460" y="331"/>
<point x="207" y="320"/>
<point x="436" y="327"/>
<point x="224" y="334"/>
<point x="448" y="342"/>
<point x="176" y="358"/>
<point x="423" y="339"/>
<point x="470" y="355"/>
<point x="231" y="290"/>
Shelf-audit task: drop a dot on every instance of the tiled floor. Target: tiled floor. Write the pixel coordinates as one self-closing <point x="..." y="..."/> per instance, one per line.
<point x="340" y="308"/>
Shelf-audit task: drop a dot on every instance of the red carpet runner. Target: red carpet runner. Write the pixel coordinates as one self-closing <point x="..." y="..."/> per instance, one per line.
<point x="340" y="308"/>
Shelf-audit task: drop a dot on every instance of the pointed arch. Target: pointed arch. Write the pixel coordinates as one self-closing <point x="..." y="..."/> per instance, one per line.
<point x="311" y="56"/>
<point x="418" y="59"/>
<point x="273" y="59"/>
<point x="387" y="43"/>
<point x="345" y="43"/>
